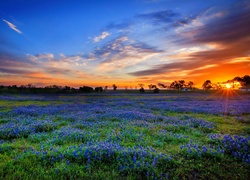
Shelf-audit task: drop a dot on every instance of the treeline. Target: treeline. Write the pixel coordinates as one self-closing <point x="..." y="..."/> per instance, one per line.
<point x="53" y="89"/>
<point x="175" y="85"/>
<point x="236" y="82"/>
<point x="180" y="85"/>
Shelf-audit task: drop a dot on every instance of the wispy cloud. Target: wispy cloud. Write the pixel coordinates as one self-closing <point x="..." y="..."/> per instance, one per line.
<point x="166" y="19"/>
<point x="125" y="25"/>
<point x="101" y="37"/>
<point x="159" y="16"/>
<point x="12" y="26"/>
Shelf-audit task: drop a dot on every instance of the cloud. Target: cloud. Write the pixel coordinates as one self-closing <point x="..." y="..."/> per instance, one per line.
<point x="62" y="66"/>
<point x="224" y="31"/>
<point x="45" y="56"/>
<point x="166" y="19"/>
<point x="61" y="61"/>
<point x="228" y="32"/>
<point x="158" y="20"/>
<point x="12" y="64"/>
<point x="102" y="36"/>
<point x="230" y="26"/>
<point x="159" y="16"/>
<point x="12" y="26"/>
<point x="123" y="52"/>
<point x="121" y="26"/>
<point x="59" y="71"/>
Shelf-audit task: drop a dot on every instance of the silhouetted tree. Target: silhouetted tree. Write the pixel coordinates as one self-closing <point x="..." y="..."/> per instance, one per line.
<point x="162" y="85"/>
<point x="156" y="90"/>
<point x="152" y="86"/>
<point x="217" y="86"/>
<point x="67" y="87"/>
<point x="244" y="81"/>
<point x="86" y="89"/>
<point x="115" y="87"/>
<point x="53" y="87"/>
<point x="190" y="85"/>
<point x="141" y="90"/>
<point x="175" y="85"/>
<point x="29" y="85"/>
<point x="182" y="84"/>
<point x="207" y="85"/>
<point x="141" y="85"/>
<point x="99" y="89"/>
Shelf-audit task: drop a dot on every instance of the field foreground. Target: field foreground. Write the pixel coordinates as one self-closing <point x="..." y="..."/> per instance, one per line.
<point x="125" y="136"/>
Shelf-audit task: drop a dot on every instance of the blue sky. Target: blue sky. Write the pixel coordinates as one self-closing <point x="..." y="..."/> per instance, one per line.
<point x="101" y="42"/>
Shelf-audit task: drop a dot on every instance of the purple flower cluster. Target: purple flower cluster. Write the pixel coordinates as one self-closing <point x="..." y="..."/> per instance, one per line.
<point x="195" y="150"/>
<point x="128" y="160"/>
<point x="139" y="104"/>
<point x="174" y="135"/>
<point x="70" y="134"/>
<point x="237" y="146"/>
<point x="34" y="110"/>
<point x="214" y="136"/>
<point x="22" y="128"/>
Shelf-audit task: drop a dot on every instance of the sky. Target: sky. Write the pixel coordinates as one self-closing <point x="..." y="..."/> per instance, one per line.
<point x="105" y="42"/>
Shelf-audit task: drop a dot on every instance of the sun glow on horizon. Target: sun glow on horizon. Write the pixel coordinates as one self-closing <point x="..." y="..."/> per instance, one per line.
<point x="228" y="86"/>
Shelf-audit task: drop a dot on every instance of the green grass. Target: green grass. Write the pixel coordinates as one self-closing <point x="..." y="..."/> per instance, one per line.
<point x="19" y="158"/>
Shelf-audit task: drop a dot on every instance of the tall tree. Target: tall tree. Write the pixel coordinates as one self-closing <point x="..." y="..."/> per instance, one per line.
<point x="182" y="84"/>
<point x="244" y="81"/>
<point x="141" y="85"/>
<point x="207" y="85"/>
<point x="115" y="87"/>
<point x="152" y="86"/>
<point x="175" y="85"/>
<point x="190" y="84"/>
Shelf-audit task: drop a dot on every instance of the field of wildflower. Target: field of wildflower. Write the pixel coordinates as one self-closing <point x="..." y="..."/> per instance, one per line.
<point x="113" y="135"/>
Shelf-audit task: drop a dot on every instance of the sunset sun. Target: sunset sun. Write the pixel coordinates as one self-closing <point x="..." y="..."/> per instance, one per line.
<point x="228" y="86"/>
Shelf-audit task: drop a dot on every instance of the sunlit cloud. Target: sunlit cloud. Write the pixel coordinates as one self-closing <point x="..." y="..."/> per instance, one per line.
<point x="45" y="56"/>
<point x="38" y="75"/>
<point x="101" y="37"/>
<point x="12" y="26"/>
<point x="207" y="66"/>
<point x="61" y="66"/>
<point x="123" y="52"/>
<point x="62" y="60"/>
<point x="205" y="47"/>
<point x="239" y="60"/>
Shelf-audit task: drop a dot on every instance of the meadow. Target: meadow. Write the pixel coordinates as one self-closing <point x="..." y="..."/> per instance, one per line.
<point x="114" y="135"/>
